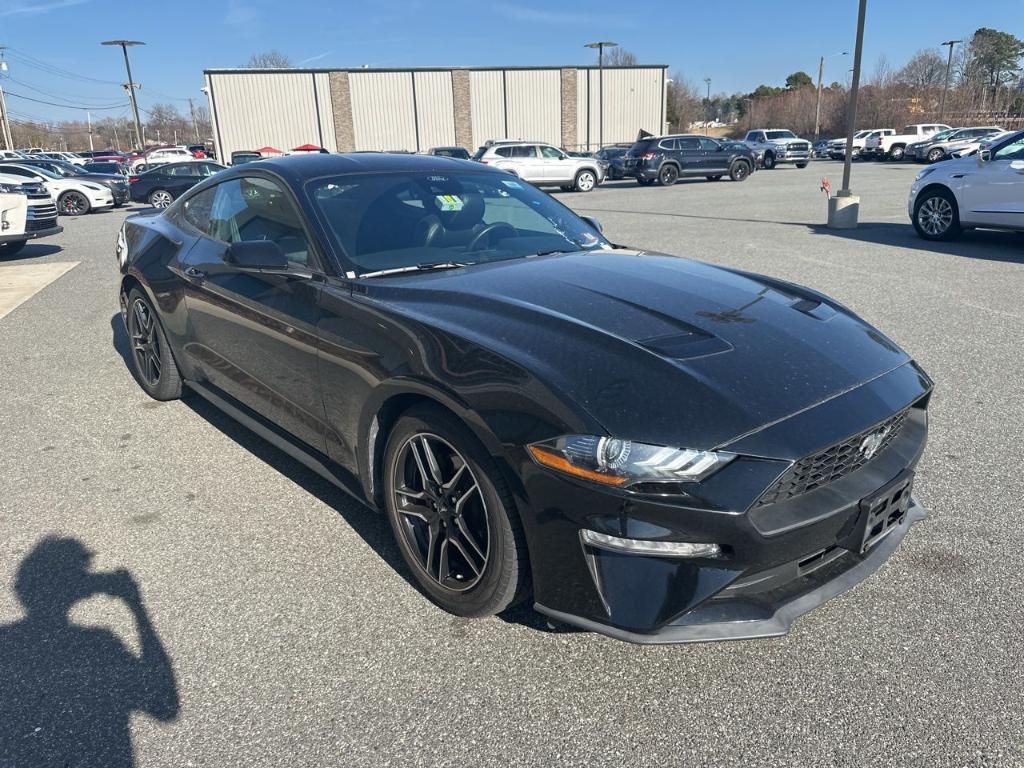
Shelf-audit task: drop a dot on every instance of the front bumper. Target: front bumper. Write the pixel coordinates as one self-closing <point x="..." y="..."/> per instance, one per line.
<point x="32" y="234"/>
<point x="792" y="157"/>
<point x="777" y="560"/>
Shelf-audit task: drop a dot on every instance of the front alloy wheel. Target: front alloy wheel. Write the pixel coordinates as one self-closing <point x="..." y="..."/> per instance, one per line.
<point x="769" y="161"/>
<point x="452" y="515"/>
<point x="73" y="203"/>
<point x="936" y="216"/>
<point x="936" y="154"/>
<point x="160" y="198"/>
<point x="154" y="367"/>
<point x="739" y="171"/>
<point x="585" y="181"/>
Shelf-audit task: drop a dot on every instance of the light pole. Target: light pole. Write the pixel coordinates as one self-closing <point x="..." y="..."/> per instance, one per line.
<point x="131" y="83"/>
<point x="707" y="105"/>
<point x="750" y="114"/>
<point x="844" y="209"/>
<point x="5" y="122"/>
<point x="817" y="106"/>
<point x="600" y="85"/>
<point x="945" y="86"/>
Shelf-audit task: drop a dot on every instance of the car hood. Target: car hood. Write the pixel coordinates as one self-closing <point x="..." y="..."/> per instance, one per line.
<point x="654" y="347"/>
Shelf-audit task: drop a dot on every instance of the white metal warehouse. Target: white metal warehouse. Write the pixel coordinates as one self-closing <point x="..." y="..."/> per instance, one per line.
<point x="344" y="110"/>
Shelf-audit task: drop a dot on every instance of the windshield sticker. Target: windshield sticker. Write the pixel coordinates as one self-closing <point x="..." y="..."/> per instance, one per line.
<point x="512" y="184"/>
<point x="449" y="202"/>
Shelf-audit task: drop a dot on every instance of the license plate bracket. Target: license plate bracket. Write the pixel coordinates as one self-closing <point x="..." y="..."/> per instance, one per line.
<point x="884" y="511"/>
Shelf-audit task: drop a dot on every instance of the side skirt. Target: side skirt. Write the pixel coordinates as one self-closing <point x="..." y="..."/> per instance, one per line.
<point x="309" y="457"/>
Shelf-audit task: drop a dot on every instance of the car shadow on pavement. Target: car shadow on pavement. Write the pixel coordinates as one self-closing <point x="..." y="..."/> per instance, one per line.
<point x="30" y="251"/>
<point x="68" y="691"/>
<point x="987" y="244"/>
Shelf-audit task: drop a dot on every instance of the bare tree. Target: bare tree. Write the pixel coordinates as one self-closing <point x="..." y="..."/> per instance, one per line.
<point x="273" y="59"/>
<point x="925" y="69"/>
<point x="684" y="104"/>
<point x="620" y="57"/>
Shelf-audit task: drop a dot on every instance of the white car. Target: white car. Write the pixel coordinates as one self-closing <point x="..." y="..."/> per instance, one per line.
<point x="971" y="147"/>
<point x="74" y="196"/>
<point x="986" y="190"/>
<point x="837" y="147"/>
<point x="67" y="157"/>
<point x="894" y="146"/>
<point x="544" y="165"/>
<point x="162" y="156"/>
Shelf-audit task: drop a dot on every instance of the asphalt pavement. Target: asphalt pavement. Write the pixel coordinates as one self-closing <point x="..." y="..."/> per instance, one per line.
<point x="274" y="624"/>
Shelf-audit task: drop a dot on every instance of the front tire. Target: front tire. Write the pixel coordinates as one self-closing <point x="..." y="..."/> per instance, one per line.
<point x="585" y="181"/>
<point x="936" y="215"/>
<point x="769" y="161"/>
<point x="936" y="154"/>
<point x="668" y="175"/>
<point x="72" y="203"/>
<point x="801" y="165"/>
<point x="452" y="515"/>
<point x="152" y="362"/>
<point x="739" y="171"/>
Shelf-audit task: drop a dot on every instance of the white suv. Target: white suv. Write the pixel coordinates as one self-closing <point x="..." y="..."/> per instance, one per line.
<point x="986" y="190"/>
<point x="544" y="166"/>
<point x="162" y="156"/>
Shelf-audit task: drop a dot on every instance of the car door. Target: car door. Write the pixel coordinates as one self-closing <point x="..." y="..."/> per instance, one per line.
<point x="526" y="162"/>
<point x="253" y="333"/>
<point x="181" y="177"/>
<point x="556" y="165"/>
<point x="691" y="154"/>
<point x="716" y="159"/>
<point x="994" y="193"/>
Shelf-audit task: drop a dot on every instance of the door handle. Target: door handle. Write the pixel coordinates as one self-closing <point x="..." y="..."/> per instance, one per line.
<point x="194" y="274"/>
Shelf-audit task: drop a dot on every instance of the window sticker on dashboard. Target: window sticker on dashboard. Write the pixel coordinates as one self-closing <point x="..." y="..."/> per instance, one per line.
<point x="512" y="184"/>
<point x="449" y="202"/>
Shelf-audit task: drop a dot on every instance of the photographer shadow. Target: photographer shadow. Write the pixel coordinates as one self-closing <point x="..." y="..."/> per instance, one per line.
<point x="67" y="691"/>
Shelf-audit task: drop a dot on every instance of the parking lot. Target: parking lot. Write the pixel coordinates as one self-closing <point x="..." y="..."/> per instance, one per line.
<point x="297" y="639"/>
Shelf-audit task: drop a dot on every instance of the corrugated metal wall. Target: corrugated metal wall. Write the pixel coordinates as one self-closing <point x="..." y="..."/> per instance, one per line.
<point x="415" y="110"/>
<point x="270" y="108"/>
<point x="382" y="110"/>
<point x="534" y="99"/>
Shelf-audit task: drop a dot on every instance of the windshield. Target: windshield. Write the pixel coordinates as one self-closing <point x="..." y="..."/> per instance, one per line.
<point x="780" y="134"/>
<point x="392" y="220"/>
<point x="942" y="135"/>
<point x="43" y="171"/>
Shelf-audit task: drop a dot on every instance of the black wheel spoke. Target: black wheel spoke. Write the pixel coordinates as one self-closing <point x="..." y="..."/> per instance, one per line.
<point x="477" y="570"/>
<point x="463" y="529"/>
<point x="443" y="569"/>
<point x="435" y="469"/>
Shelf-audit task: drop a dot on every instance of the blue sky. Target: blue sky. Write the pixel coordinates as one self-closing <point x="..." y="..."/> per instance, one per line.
<point x="735" y="43"/>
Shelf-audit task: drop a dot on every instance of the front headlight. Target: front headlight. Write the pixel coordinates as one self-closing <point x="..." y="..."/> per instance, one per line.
<point x="625" y="463"/>
<point x="90" y="185"/>
<point x="8" y="189"/>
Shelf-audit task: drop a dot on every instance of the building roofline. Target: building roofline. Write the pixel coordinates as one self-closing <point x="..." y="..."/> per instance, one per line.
<point x="308" y="70"/>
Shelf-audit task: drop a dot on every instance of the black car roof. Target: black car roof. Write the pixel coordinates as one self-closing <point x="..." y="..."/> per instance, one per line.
<point x="299" y="167"/>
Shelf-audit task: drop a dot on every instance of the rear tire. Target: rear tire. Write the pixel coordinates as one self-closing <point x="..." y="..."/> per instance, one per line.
<point x="12" y="248"/>
<point x="896" y="153"/>
<point x="419" y="505"/>
<point x="936" y="215"/>
<point x="668" y="175"/>
<point x="152" y="363"/>
<point x="160" y="198"/>
<point x="739" y="171"/>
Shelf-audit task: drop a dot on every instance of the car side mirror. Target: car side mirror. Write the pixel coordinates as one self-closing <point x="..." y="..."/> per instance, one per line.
<point x="257" y="254"/>
<point x="984" y="155"/>
<point x="593" y="222"/>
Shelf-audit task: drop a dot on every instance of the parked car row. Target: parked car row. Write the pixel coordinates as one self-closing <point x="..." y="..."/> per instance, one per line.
<point x="27" y="211"/>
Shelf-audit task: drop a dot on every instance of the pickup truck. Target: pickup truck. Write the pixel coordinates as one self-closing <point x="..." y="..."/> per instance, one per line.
<point x="26" y="212"/>
<point x="773" y="146"/>
<point x="894" y="146"/>
<point x="837" y="147"/>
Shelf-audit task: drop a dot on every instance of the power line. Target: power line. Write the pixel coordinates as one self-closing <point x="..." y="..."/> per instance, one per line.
<point x="57" y="95"/>
<point x="67" y="107"/>
<point x="32" y="61"/>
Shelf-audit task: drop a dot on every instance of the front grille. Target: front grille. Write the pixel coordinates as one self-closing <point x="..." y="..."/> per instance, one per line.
<point x="37" y="225"/>
<point x="44" y="211"/>
<point x="832" y="463"/>
<point x="798" y="146"/>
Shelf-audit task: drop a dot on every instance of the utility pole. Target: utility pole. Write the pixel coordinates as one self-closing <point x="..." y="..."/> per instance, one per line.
<point x="131" y="83"/>
<point x="817" y="107"/>
<point x="195" y="123"/>
<point x="88" y="118"/>
<point x="600" y="86"/>
<point x="5" y="122"/>
<point x="945" y="85"/>
<point x="844" y="209"/>
<point x="707" y="105"/>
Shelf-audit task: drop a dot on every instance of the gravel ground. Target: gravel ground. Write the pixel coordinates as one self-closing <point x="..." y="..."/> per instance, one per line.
<point x="293" y="638"/>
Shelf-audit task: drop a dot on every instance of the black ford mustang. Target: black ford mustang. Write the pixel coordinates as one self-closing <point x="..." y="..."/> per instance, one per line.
<point x="647" y="446"/>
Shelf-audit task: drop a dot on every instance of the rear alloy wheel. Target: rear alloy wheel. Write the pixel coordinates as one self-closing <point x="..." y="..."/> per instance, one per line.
<point x="160" y="198"/>
<point x="452" y="515"/>
<point x="739" y="170"/>
<point x="668" y="175"/>
<point x="936" y="216"/>
<point x="896" y="153"/>
<point x="769" y="161"/>
<point x="936" y="154"/>
<point x="153" y="365"/>
<point x="585" y="181"/>
<point x="73" y="203"/>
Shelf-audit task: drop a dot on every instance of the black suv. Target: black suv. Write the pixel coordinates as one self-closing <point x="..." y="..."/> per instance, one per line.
<point x="665" y="158"/>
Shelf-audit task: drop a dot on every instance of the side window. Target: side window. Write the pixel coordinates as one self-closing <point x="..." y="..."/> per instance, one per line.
<point x="689" y="142"/>
<point x="503" y="151"/>
<point x="251" y="208"/>
<point x="524" y="151"/>
<point x="197" y="209"/>
<point x="708" y="145"/>
<point x="669" y="144"/>
<point x="1012" y="151"/>
<point x="550" y="153"/>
